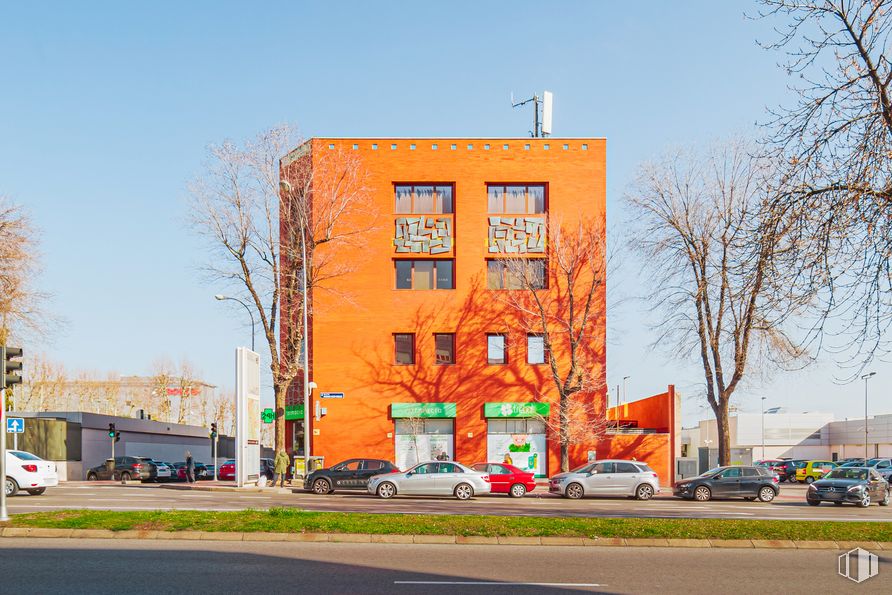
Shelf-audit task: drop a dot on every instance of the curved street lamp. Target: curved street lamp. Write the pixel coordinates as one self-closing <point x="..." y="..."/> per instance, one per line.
<point x="220" y="297"/>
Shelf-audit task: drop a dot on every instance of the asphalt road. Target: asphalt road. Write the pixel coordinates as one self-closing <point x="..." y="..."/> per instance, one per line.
<point x="111" y="496"/>
<point x="158" y="567"/>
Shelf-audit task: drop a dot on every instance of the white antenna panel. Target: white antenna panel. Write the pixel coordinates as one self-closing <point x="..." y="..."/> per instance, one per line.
<point x="547" y="104"/>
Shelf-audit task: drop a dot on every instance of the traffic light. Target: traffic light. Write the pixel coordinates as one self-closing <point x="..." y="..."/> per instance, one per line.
<point x="111" y="430"/>
<point x="214" y="430"/>
<point x="117" y="436"/>
<point x="11" y="367"/>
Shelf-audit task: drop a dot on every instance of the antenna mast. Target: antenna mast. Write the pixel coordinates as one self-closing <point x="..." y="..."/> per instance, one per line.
<point x="543" y="127"/>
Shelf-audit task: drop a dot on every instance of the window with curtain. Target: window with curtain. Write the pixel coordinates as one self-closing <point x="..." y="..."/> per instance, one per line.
<point x="424" y="199"/>
<point x="404" y="348"/>
<point x="424" y="274"/>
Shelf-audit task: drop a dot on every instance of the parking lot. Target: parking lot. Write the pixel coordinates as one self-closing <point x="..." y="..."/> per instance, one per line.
<point x="101" y="495"/>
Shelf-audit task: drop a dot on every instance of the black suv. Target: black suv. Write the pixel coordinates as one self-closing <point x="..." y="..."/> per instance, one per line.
<point x="352" y="474"/>
<point x="125" y="468"/>
<point x="786" y="470"/>
<point x="748" y="483"/>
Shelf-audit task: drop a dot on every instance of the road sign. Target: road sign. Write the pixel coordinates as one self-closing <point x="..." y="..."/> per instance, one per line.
<point x="331" y="395"/>
<point x="267" y="416"/>
<point x="15" y="425"/>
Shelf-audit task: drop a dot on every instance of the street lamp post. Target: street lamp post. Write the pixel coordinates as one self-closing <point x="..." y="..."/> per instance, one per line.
<point x="865" y="378"/>
<point x="763" y="427"/>
<point x="625" y="394"/>
<point x="220" y="297"/>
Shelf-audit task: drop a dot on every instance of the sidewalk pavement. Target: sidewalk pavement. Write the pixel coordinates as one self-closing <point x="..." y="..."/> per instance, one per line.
<point x="440" y="539"/>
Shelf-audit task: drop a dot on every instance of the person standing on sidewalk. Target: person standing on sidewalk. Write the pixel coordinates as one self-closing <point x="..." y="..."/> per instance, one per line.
<point x="190" y="467"/>
<point x="280" y="468"/>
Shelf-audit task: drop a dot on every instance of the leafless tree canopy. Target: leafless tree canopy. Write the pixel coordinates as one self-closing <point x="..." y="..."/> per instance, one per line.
<point x="568" y="316"/>
<point x="836" y="140"/>
<point x="714" y="259"/>
<point x="254" y="226"/>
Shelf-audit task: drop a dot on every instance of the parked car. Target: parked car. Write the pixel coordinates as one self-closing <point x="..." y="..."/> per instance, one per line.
<point x="786" y="469"/>
<point x="26" y="471"/>
<point x="267" y="469"/>
<point x="227" y="471"/>
<point x="200" y="471"/>
<point x="813" y="470"/>
<point x="173" y="471"/>
<point x="209" y="471"/>
<point x="432" y="478"/>
<point x="127" y="468"/>
<point x="883" y="467"/>
<point x="768" y="463"/>
<point x="507" y="479"/>
<point x="607" y="478"/>
<point x="851" y="462"/>
<point x="352" y="474"/>
<point x="748" y="483"/>
<point x="858" y="485"/>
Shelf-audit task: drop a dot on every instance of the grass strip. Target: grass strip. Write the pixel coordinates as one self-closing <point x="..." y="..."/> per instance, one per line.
<point x="291" y="520"/>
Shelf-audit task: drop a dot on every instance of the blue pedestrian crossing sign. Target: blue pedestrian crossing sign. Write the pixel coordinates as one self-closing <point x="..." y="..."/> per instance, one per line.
<point x="15" y="425"/>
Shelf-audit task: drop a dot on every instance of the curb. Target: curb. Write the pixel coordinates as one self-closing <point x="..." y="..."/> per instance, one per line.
<point x="439" y="539"/>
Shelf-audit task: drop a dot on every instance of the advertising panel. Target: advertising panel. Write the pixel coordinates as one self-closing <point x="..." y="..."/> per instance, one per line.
<point x="524" y="451"/>
<point x="415" y="448"/>
<point x="247" y="402"/>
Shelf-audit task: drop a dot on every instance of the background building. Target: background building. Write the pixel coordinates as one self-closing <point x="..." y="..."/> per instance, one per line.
<point x="415" y="354"/>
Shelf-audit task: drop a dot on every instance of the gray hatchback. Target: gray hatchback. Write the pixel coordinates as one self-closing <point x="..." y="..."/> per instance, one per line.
<point x="607" y="478"/>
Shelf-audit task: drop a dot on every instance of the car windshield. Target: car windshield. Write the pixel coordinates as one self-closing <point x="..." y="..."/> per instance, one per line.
<point x="711" y="472"/>
<point x="24" y="456"/>
<point x="583" y="469"/>
<point x="856" y="473"/>
<point x="874" y="462"/>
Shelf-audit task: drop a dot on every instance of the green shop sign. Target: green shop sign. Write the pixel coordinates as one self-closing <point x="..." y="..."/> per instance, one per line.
<point x="293" y="412"/>
<point x="516" y="409"/>
<point x="422" y="410"/>
<point x="268" y="416"/>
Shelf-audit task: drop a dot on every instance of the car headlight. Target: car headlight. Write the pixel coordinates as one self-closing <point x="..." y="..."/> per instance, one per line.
<point x="857" y="488"/>
<point x="812" y="488"/>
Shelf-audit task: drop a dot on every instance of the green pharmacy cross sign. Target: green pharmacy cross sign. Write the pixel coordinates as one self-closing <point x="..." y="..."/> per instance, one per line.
<point x="268" y="416"/>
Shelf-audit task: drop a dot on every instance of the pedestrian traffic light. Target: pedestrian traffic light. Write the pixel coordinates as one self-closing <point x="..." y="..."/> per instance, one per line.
<point x="11" y="367"/>
<point x="213" y="430"/>
<point x="111" y="431"/>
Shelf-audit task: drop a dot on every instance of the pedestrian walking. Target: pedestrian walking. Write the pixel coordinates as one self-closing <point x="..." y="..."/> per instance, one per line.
<point x="280" y="468"/>
<point x="190" y="467"/>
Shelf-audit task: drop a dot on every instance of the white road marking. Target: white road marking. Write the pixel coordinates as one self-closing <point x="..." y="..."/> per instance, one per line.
<point x="498" y="584"/>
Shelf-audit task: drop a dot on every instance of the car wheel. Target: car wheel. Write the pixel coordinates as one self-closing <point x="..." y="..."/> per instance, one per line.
<point x="386" y="490"/>
<point x="463" y="491"/>
<point x="125" y="476"/>
<point x="644" y="492"/>
<point x="865" y="501"/>
<point x="702" y="494"/>
<point x="11" y="487"/>
<point x="886" y="498"/>
<point x="574" y="491"/>
<point x="766" y="494"/>
<point x="37" y="491"/>
<point x="816" y="502"/>
<point x="92" y="477"/>
<point x="517" y="490"/>
<point x="809" y="479"/>
<point x="321" y="486"/>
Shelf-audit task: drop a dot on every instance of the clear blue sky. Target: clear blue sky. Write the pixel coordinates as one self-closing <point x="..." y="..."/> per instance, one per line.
<point x="106" y="110"/>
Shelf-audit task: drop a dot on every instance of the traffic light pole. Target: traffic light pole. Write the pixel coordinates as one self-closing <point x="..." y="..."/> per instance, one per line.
<point x="4" y="514"/>
<point x="215" y="459"/>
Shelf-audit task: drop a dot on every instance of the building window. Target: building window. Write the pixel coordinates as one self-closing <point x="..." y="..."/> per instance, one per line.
<point x="412" y="147"/>
<point x="486" y="147"/>
<point x="434" y="147"/>
<point x="404" y="348"/>
<point x="393" y="147"/>
<point x="584" y="147"/>
<point x="423" y="199"/>
<point x="355" y="146"/>
<point x="331" y="146"/>
<point x="496" y="353"/>
<point x="374" y="146"/>
<point x="504" y="147"/>
<point x="526" y="147"/>
<point x="515" y="199"/>
<point x="453" y="146"/>
<point x="470" y="147"/>
<point x="424" y="274"/>
<point x="535" y="349"/>
<point x="444" y="349"/>
<point x="566" y="147"/>
<point x="504" y="274"/>
<point x="546" y="146"/>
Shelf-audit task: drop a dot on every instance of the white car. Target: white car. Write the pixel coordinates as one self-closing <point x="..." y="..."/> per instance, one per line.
<point x="607" y="478"/>
<point x="25" y="471"/>
<point x="433" y="478"/>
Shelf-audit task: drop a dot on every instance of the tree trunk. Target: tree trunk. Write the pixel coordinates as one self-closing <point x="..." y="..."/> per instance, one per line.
<point x="280" y="389"/>
<point x="724" y="432"/>
<point x="565" y="433"/>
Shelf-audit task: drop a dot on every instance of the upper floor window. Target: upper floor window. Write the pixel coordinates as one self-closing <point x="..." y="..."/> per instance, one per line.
<point x="510" y="274"/>
<point x="425" y="274"/>
<point x="444" y="348"/>
<point x="425" y="199"/>
<point x="535" y="349"/>
<point x="404" y="348"/>
<point x="496" y="351"/>
<point x="515" y="199"/>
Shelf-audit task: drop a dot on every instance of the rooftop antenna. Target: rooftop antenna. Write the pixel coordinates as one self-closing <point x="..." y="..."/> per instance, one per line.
<point x="545" y="103"/>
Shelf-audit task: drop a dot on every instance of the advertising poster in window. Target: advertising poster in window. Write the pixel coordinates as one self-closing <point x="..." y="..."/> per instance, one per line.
<point x="412" y="449"/>
<point x="524" y="451"/>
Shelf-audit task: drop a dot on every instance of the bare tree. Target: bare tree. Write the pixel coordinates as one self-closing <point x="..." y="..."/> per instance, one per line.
<point x="43" y="387"/>
<point x="561" y="299"/>
<point x="836" y="140"/>
<point x="710" y="252"/>
<point x="254" y="226"/>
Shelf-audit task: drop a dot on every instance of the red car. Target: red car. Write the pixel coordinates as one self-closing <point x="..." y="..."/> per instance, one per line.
<point x="507" y="479"/>
<point x="226" y="472"/>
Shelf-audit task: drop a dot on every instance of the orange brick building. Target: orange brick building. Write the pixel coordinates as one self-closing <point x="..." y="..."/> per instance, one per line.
<point x="412" y="350"/>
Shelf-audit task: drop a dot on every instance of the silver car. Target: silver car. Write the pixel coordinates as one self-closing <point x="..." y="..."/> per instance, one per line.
<point x="432" y="479"/>
<point x="607" y="478"/>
